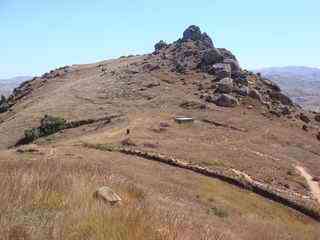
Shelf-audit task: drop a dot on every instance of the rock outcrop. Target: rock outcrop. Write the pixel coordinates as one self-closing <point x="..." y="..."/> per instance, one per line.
<point x="195" y="51"/>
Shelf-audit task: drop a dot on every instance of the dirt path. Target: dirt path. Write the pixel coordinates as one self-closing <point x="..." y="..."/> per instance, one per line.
<point x="313" y="185"/>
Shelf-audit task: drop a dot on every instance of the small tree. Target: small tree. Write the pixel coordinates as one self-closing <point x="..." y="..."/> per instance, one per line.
<point x="4" y="106"/>
<point x="3" y="99"/>
<point x="48" y="125"/>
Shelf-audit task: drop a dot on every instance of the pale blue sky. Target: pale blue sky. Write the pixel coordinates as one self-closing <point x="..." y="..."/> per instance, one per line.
<point x="39" y="35"/>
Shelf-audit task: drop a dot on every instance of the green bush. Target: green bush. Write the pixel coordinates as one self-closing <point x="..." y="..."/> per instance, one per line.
<point x="32" y="134"/>
<point x="4" y="106"/>
<point x="48" y="125"/>
<point x="180" y="68"/>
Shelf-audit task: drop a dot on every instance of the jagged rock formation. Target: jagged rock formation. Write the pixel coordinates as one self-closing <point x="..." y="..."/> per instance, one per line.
<point x="195" y="51"/>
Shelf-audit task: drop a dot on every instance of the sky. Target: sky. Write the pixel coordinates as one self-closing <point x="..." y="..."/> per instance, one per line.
<point x="39" y="35"/>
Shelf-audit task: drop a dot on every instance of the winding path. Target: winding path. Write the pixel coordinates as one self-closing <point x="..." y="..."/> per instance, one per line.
<point x="313" y="185"/>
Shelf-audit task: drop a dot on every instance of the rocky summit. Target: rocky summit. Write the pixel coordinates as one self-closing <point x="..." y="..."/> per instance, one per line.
<point x="195" y="51"/>
<point x="183" y="138"/>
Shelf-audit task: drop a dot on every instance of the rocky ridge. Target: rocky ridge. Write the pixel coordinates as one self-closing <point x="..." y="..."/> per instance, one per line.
<point x="226" y="85"/>
<point x="230" y="84"/>
<point x="220" y="79"/>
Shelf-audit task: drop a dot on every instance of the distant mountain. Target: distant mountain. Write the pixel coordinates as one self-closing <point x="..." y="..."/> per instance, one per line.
<point x="302" y="84"/>
<point x="7" y="85"/>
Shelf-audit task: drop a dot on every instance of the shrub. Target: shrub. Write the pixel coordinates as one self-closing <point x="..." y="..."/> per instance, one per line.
<point x="180" y="69"/>
<point x="49" y="125"/>
<point x="4" y="106"/>
<point x="160" y="45"/>
<point x="32" y="134"/>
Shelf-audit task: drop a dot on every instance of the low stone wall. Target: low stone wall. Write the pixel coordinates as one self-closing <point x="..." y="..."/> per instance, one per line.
<point x="298" y="202"/>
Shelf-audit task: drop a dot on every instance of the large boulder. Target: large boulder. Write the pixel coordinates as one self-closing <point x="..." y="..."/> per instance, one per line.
<point x="225" y="100"/>
<point x="235" y="67"/>
<point x="317" y="118"/>
<point x="211" y="56"/>
<point x="220" y="70"/>
<point x="225" y="85"/>
<point x="253" y="93"/>
<point x="303" y="117"/>
<point x="192" y="33"/>
<point x="107" y="194"/>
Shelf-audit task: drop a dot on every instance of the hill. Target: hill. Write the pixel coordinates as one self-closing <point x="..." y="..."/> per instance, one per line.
<point x="302" y="84"/>
<point x="7" y="85"/>
<point x="241" y="167"/>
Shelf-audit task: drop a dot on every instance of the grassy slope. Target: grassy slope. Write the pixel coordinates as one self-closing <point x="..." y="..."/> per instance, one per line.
<point x="48" y="194"/>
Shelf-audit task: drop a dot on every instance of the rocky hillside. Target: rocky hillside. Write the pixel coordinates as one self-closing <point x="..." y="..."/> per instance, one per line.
<point x="186" y="138"/>
<point x="302" y="84"/>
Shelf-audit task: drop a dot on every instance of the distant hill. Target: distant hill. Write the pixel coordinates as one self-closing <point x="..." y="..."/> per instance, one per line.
<point x="7" y="85"/>
<point x="302" y="84"/>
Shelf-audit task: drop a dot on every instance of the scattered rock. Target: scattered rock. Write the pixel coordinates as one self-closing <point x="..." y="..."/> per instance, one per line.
<point x="193" y="105"/>
<point x="225" y="100"/>
<point x="243" y="91"/>
<point x="28" y="149"/>
<point x="304" y="118"/>
<point x="255" y="94"/>
<point x="242" y="80"/>
<point x="220" y="70"/>
<point x="151" y="84"/>
<point x="271" y="84"/>
<point x="225" y="85"/>
<point x="128" y="141"/>
<point x="285" y="100"/>
<point x="108" y="195"/>
<point x="305" y="128"/>
<point x="276" y="113"/>
<point x="318" y="136"/>
<point x="316" y="179"/>
<point x="179" y="68"/>
<point x="150" y="67"/>
<point x="164" y="125"/>
<point x="317" y="118"/>
<point x="285" y="110"/>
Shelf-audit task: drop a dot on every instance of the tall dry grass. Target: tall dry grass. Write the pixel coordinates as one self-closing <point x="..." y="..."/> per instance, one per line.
<point x="52" y="199"/>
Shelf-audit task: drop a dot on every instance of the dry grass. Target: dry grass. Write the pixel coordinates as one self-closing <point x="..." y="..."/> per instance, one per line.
<point x="53" y="199"/>
<point x="254" y="218"/>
